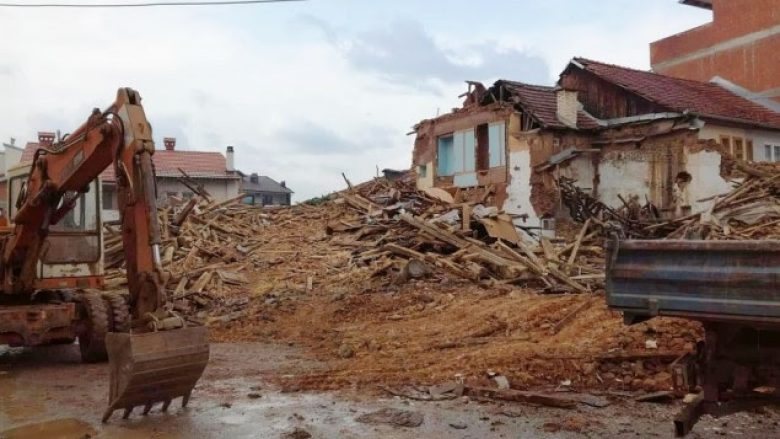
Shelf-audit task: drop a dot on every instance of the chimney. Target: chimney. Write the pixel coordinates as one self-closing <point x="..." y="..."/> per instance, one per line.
<point x="567" y="107"/>
<point x="170" y="143"/>
<point x="283" y="183"/>
<point x="230" y="162"/>
<point x="254" y="178"/>
<point x="45" y="138"/>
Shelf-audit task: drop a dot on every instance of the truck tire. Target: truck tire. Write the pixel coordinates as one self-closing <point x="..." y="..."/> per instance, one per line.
<point x="93" y="342"/>
<point x="118" y="312"/>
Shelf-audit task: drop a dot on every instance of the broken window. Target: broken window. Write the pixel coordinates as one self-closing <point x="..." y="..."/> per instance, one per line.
<point x="483" y="148"/>
<point x="528" y="123"/>
<point x="465" y="151"/>
<point x="497" y="139"/>
<point x="478" y="149"/>
<point x="445" y="156"/>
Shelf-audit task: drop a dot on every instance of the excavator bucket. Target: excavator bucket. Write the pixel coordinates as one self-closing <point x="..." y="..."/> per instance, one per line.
<point x="152" y="367"/>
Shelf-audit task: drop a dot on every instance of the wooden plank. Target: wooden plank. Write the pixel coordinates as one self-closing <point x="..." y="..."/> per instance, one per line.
<point x="403" y="251"/>
<point x="466" y="218"/>
<point x="520" y="396"/>
<point x="204" y="279"/>
<point x="570" y="316"/>
<point x="577" y="243"/>
<point x="182" y="215"/>
<point x="181" y="286"/>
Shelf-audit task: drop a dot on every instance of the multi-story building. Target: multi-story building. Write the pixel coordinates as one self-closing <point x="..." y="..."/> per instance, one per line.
<point x="740" y="45"/>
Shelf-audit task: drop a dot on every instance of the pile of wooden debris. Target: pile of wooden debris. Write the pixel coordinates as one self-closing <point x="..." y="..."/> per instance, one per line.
<point x="750" y="211"/>
<point x="407" y="233"/>
<point x="207" y="248"/>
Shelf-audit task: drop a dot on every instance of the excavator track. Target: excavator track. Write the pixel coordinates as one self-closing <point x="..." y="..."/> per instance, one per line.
<point x="92" y="343"/>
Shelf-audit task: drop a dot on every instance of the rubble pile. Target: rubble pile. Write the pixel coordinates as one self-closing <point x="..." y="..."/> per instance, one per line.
<point x="388" y="284"/>
<point x="405" y="233"/>
<point x="750" y="211"/>
<point x="207" y="251"/>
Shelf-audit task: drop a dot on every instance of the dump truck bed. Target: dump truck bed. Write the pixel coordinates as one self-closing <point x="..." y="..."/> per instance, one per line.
<point x="736" y="281"/>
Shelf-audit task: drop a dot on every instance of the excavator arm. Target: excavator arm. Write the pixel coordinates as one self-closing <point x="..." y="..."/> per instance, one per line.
<point x="160" y="359"/>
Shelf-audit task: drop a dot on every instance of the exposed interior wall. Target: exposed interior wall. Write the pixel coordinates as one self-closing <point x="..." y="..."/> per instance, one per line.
<point x="583" y="171"/>
<point x="624" y="175"/>
<point x="424" y="175"/>
<point x="518" y="201"/>
<point x="464" y="150"/>
<point x="706" y="181"/>
<point x="675" y="171"/>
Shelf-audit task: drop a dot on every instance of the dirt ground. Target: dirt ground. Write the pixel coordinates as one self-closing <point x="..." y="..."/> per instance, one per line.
<point x="47" y="393"/>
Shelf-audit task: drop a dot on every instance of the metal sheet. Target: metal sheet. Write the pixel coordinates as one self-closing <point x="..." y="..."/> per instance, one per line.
<point x="704" y="280"/>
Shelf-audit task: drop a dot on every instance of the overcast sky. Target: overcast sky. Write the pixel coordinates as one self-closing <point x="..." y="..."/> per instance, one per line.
<point x="304" y="90"/>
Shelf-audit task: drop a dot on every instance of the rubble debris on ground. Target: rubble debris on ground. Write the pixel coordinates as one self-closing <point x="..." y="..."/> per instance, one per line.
<point x="296" y="433"/>
<point x="404" y="232"/>
<point x="750" y="211"/>
<point x="390" y="287"/>
<point x="394" y="417"/>
<point x="208" y="249"/>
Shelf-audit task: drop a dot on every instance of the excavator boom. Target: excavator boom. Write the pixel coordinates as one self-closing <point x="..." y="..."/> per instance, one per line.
<point x="159" y="358"/>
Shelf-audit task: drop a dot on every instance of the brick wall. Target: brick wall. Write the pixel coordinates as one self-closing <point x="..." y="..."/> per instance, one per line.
<point x="740" y="44"/>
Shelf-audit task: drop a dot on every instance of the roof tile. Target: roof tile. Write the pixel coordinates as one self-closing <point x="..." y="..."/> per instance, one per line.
<point x="702" y="98"/>
<point x="541" y="102"/>
<point x="197" y="164"/>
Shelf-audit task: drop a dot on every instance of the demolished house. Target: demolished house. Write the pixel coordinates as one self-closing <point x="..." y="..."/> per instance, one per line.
<point x="623" y="136"/>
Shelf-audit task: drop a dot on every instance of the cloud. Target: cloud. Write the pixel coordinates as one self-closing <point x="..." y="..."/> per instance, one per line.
<point x="312" y="138"/>
<point x="336" y="94"/>
<point x="404" y="53"/>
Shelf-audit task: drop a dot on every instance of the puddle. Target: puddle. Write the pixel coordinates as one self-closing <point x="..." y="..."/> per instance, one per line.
<point x="56" y="429"/>
<point x="17" y="404"/>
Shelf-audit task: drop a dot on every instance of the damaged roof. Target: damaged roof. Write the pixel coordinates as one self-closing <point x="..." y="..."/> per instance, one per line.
<point x="705" y="99"/>
<point x="540" y="102"/>
<point x="197" y="164"/>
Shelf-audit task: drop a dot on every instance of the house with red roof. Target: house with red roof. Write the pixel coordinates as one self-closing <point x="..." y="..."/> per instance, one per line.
<point x="619" y="133"/>
<point x="209" y="170"/>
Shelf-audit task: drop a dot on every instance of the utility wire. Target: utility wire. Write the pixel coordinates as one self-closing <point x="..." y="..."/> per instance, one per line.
<point x="142" y="5"/>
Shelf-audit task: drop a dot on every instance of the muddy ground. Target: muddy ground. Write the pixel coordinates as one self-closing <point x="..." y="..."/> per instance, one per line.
<point x="48" y="393"/>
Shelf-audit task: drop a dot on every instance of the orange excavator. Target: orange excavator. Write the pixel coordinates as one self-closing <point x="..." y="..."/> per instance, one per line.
<point x="51" y="267"/>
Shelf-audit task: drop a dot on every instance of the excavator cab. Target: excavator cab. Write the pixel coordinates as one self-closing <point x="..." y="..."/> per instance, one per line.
<point x="72" y="256"/>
